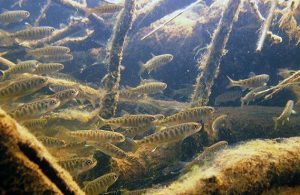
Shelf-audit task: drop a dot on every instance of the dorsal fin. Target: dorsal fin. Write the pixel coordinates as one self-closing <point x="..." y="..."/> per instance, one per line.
<point x="251" y="74"/>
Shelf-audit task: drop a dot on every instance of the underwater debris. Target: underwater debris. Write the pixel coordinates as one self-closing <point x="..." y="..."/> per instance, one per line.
<point x="222" y="174"/>
<point x="36" y="167"/>
<point x="110" y="100"/>
<point x="266" y="26"/>
<point x="43" y="12"/>
<point x="211" y="61"/>
<point x="256" y="10"/>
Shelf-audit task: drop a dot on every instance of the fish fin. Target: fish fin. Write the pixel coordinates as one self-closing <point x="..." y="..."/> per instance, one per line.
<point x="160" y="128"/>
<point x="28" y="25"/>
<point x="101" y="121"/>
<point x="293" y="111"/>
<point x="232" y="83"/>
<point x="152" y="55"/>
<point x="3" y="53"/>
<point x="135" y="145"/>
<point x="2" y="75"/>
<point x="154" y="149"/>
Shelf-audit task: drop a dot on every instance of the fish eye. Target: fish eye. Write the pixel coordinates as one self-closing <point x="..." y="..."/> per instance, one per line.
<point x="52" y="29"/>
<point x="89" y="161"/>
<point x="52" y="102"/>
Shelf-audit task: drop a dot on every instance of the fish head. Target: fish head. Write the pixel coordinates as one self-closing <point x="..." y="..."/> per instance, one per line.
<point x="89" y="163"/>
<point x="119" y="137"/>
<point x="196" y="126"/>
<point x="114" y="176"/>
<point x="53" y="103"/>
<point x="169" y="57"/>
<point x="73" y="93"/>
<point x="159" y="116"/>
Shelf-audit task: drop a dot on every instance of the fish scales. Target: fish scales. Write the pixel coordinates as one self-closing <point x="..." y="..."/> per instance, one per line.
<point x="188" y="115"/>
<point x="51" y="141"/>
<point x="100" y="184"/>
<point x="35" y="123"/>
<point x="22" y="67"/>
<point x="170" y="134"/>
<point x="252" y="82"/>
<point x="49" y="50"/>
<point x="130" y="120"/>
<point x="35" y="109"/>
<point x="99" y="135"/>
<point x="48" y="68"/>
<point x="33" y="33"/>
<point x="23" y="87"/>
<point x="13" y="16"/>
<point x="77" y="165"/>
<point x="111" y="150"/>
<point x="65" y="95"/>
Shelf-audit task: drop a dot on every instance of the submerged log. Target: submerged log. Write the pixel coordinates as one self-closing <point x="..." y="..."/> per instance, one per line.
<point x="26" y="166"/>
<point x="112" y="79"/>
<point x="210" y="63"/>
<point x="248" y="168"/>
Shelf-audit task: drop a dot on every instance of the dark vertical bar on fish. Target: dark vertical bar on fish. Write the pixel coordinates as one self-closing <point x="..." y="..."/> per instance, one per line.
<point x="112" y="79"/>
<point x="210" y="63"/>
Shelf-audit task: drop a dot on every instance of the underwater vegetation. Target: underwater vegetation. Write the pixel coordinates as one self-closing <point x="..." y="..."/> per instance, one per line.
<point x="149" y="97"/>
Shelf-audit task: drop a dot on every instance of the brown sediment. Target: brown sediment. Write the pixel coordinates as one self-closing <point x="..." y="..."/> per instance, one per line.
<point x="249" y="168"/>
<point x="111" y="83"/>
<point x="210" y="63"/>
<point x="27" y="166"/>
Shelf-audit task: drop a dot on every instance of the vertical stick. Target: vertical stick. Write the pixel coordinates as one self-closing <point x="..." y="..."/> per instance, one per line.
<point x="112" y="78"/>
<point x="210" y="63"/>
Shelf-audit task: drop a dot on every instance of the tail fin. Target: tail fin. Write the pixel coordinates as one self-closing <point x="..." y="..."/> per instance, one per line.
<point x="134" y="144"/>
<point x="276" y="123"/>
<point x="232" y="83"/>
<point x="3" y="76"/>
<point x="142" y="69"/>
<point x="101" y="121"/>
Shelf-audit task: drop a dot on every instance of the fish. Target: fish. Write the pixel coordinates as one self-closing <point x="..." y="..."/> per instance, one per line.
<point x="22" y="67"/>
<point x="34" y="124"/>
<point x="250" y="83"/>
<point x="111" y="150"/>
<point x="57" y="58"/>
<point x="188" y="115"/>
<point x="129" y="121"/>
<point x="9" y="17"/>
<point x="207" y="153"/>
<point x="33" y="33"/>
<point x="48" y="50"/>
<point x="253" y="95"/>
<point x="99" y="136"/>
<point x="77" y="165"/>
<point x="170" y="134"/>
<point x="22" y="87"/>
<point x="48" y="68"/>
<point x="100" y="184"/>
<point x="103" y="9"/>
<point x="65" y="96"/>
<point x="285" y="115"/>
<point x="51" y="141"/>
<point x="228" y="96"/>
<point x="35" y="109"/>
<point x="219" y="123"/>
<point x="155" y="62"/>
<point x="149" y="88"/>
<point x="133" y="131"/>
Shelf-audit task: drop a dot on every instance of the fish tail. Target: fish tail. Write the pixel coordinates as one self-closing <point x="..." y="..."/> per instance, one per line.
<point x="101" y="122"/>
<point x="142" y="69"/>
<point x="276" y="122"/>
<point x="232" y="83"/>
<point x="2" y="75"/>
